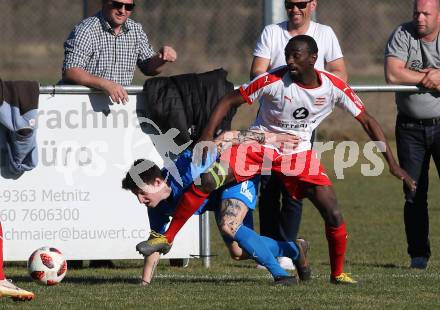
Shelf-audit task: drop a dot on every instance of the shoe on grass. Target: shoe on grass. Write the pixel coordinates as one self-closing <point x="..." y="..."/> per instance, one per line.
<point x="419" y="262"/>
<point x="155" y="243"/>
<point x="8" y="289"/>
<point x="285" y="280"/>
<point x="343" y="278"/>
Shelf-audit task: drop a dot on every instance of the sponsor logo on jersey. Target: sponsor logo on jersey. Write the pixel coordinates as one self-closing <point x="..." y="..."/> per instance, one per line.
<point x="287" y="98"/>
<point x="293" y="126"/>
<point x="300" y="113"/>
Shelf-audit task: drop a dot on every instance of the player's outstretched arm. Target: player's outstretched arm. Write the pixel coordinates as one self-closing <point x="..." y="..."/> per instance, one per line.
<point x="229" y="101"/>
<point x="375" y="132"/>
<point x="248" y="136"/>
<point x="150" y="264"/>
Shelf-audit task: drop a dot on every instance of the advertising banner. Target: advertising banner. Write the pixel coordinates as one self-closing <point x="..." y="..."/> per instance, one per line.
<point x="73" y="199"/>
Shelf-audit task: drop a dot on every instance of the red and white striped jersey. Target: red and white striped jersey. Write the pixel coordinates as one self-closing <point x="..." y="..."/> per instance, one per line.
<point x="288" y="107"/>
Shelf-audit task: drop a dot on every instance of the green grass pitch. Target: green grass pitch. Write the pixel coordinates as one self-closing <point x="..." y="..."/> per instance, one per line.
<point x="376" y="256"/>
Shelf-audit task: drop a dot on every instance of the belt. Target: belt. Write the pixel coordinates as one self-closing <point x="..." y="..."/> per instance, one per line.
<point x="425" y="121"/>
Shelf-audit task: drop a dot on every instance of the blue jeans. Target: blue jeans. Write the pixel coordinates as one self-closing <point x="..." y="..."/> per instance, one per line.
<point x="417" y="141"/>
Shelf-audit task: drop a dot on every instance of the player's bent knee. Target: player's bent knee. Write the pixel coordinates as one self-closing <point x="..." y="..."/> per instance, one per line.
<point x="334" y="217"/>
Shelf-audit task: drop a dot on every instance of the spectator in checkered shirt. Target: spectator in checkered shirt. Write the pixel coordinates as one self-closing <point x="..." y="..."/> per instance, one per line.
<point x="102" y="51"/>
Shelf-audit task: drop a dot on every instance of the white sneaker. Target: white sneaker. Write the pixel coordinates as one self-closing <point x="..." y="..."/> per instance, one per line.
<point x="8" y="289"/>
<point x="261" y="267"/>
<point x="286" y="263"/>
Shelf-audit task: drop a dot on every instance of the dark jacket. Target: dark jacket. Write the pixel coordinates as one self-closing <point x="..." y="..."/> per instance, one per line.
<point x="185" y="102"/>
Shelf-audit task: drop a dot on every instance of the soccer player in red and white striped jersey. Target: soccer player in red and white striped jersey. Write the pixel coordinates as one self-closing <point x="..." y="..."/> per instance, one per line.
<point x="297" y="108"/>
<point x="297" y="99"/>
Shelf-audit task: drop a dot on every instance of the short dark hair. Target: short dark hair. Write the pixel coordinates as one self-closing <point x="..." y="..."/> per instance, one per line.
<point x="308" y="40"/>
<point x="147" y="176"/>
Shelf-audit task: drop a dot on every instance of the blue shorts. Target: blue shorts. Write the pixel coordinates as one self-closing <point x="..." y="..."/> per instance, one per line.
<point x="246" y="192"/>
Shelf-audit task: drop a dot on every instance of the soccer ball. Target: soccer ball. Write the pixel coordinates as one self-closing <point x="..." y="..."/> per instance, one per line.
<point x="47" y="266"/>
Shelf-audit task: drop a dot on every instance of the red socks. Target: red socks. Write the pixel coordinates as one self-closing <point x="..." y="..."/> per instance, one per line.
<point x="2" y="275"/>
<point x="337" y="244"/>
<point x="190" y="202"/>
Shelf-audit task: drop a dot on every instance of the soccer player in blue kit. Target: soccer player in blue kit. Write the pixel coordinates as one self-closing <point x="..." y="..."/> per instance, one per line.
<point x="160" y="191"/>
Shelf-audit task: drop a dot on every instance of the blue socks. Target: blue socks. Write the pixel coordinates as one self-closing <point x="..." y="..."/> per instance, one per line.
<point x="252" y="243"/>
<point x="281" y="248"/>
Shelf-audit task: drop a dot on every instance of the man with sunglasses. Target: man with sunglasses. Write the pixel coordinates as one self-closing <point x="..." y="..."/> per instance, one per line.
<point x="281" y="222"/>
<point x="103" y="50"/>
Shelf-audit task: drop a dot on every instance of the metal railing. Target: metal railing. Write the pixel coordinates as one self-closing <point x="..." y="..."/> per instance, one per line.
<point x="133" y="90"/>
<point x="81" y="90"/>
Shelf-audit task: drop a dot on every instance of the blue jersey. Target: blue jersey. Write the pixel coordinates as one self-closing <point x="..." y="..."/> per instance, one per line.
<point x="188" y="172"/>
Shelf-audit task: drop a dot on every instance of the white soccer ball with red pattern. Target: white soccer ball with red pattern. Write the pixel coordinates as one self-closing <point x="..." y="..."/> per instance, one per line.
<point x="47" y="266"/>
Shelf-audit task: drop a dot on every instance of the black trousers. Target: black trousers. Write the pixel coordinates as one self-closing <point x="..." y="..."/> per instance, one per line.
<point x="278" y="220"/>
<point x="417" y="142"/>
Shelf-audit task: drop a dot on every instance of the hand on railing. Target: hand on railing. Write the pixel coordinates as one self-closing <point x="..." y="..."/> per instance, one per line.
<point x="116" y="92"/>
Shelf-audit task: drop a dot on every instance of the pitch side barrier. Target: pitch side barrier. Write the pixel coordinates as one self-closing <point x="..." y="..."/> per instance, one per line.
<point x="73" y="200"/>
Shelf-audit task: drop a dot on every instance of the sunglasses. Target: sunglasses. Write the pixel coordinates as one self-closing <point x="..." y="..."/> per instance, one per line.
<point x="300" y="5"/>
<point x="118" y="5"/>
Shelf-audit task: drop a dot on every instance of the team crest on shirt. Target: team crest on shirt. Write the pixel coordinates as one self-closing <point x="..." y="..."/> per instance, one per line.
<point x="319" y="101"/>
<point x="300" y="113"/>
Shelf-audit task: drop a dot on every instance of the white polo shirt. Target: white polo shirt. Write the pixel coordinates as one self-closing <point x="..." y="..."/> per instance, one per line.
<point x="274" y="39"/>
